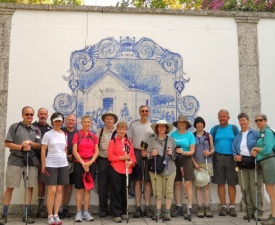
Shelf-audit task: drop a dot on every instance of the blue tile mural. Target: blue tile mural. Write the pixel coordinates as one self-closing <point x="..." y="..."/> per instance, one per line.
<point x="120" y="75"/>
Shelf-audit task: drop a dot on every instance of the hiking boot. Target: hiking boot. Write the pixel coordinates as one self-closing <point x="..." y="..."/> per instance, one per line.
<point x="57" y="220"/>
<point x="78" y="217"/>
<point x="3" y="220"/>
<point x="186" y="215"/>
<point x="200" y="212"/>
<point x="232" y="212"/>
<point x="51" y="220"/>
<point x="177" y="212"/>
<point x="207" y="211"/>
<point x="137" y="213"/>
<point x="124" y="217"/>
<point x="42" y="213"/>
<point x="29" y="219"/>
<point x="251" y="216"/>
<point x="167" y="215"/>
<point x="66" y="213"/>
<point x="87" y="216"/>
<point x="117" y="220"/>
<point x="157" y="215"/>
<point x="148" y="212"/>
<point x="268" y="221"/>
<point x="223" y="211"/>
<point x="102" y="213"/>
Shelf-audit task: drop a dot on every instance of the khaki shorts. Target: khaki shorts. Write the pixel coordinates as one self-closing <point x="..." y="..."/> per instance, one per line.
<point x="209" y="169"/>
<point x="14" y="175"/>
<point x="159" y="188"/>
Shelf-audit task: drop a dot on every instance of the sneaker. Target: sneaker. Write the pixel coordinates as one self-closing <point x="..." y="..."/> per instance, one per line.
<point x="42" y="213"/>
<point x="57" y="220"/>
<point x="200" y="212"/>
<point x="66" y="213"/>
<point x="157" y="215"/>
<point x="232" y="212"/>
<point x="117" y="220"/>
<point x="78" y="217"/>
<point x="251" y="216"/>
<point x="207" y="212"/>
<point x="223" y="211"/>
<point x="51" y="220"/>
<point x="177" y="212"/>
<point x="148" y="212"/>
<point x="137" y="213"/>
<point x="29" y="219"/>
<point x="3" y="220"/>
<point x="87" y="216"/>
<point x="167" y="215"/>
<point x="268" y="221"/>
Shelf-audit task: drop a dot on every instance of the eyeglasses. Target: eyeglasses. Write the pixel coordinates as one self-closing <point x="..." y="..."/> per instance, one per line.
<point x="28" y="114"/>
<point x="259" y="120"/>
<point x="144" y="111"/>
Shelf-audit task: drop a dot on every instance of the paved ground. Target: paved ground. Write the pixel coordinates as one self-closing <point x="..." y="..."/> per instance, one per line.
<point x="216" y="220"/>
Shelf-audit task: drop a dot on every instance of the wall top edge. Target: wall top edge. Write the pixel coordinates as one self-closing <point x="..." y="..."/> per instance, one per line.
<point x="9" y="7"/>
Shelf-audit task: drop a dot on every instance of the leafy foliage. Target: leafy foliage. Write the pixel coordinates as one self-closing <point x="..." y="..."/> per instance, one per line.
<point x="51" y="2"/>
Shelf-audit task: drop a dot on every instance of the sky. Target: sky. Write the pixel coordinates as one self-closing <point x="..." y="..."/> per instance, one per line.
<point x="101" y="2"/>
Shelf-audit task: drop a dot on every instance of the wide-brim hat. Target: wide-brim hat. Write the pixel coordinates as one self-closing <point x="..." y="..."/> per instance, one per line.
<point x="170" y="126"/>
<point x="109" y="114"/>
<point x="202" y="177"/>
<point x="181" y="118"/>
<point x="88" y="180"/>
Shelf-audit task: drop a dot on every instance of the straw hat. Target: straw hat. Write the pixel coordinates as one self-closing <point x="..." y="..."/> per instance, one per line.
<point x="181" y="118"/>
<point x="170" y="126"/>
<point x="202" y="178"/>
<point x="109" y="114"/>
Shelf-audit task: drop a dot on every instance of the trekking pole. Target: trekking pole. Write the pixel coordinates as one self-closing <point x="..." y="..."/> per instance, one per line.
<point x="127" y="150"/>
<point x="142" y="185"/>
<point x="186" y="196"/>
<point x="166" y="178"/>
<point x="256" y="191"/>
<point x="155" y="178"/>
<point x="245" y="200"/>
<point x="27" y="189"/>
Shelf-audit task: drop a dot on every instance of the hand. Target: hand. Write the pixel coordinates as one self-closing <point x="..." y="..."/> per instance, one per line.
<point x="254" y="152"/>
<point x="86" y="166"/>
<point x="128" y="163"/>
<point x="154" y="152"/>
<point x="125" y="157"/>
<point x="197" y="166"/>
<point x="238" y="158"/>
<point x="206" y="153"/>
<point x="70" y="158"/>
<point x="169" y="151"/>
<point x="179" y="150"/>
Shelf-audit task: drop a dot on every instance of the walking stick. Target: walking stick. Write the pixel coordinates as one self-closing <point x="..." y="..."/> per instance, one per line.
<point x="27" y="189"/>
<point x="166" y="178"/>
<point x="155" y="178"/>
<point x="186" y="196"/>
<point x="256" y="191"/>
<point x="127" y="150"/>
<point x="144" y="147"/>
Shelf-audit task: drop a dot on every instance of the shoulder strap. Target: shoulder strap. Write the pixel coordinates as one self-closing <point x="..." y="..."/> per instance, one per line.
<point x="19" y="124"/>
<point x="79" y="137"/>
<point x="234" y="128"/>
<point x="207" y="137"/>
<point x="113" y="136"/>
<point x="100" y="135"/>
<point x="165" y="147"/>
<point x="215" y="131"/>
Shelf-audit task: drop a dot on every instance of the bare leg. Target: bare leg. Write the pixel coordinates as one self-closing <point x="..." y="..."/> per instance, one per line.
<point x="7" y="195"/>
<point x="189" y="192"/>
<point x="51" y="198"/>
<point x="177" y="192"/>
<point x="222" y="192"/>
<point x="87" y="197"/>
<point x="138" y="192"/>
<point x="79" y="197"/>
<point x="206" y="193"/>
<point x="232" y="194"/>
<point x="199" y="195"/>
<point x="58" y="198"/>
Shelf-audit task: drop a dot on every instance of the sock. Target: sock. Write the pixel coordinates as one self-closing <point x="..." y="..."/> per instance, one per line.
<point x="179" y="205"/>
<point x="79" y="211"/>
<point x="54" y="216"/>
<point x="5" y="209"/>
<point x="232" y="206"/>
<point x="50" y="216"/>
<point x="224" y="206"/>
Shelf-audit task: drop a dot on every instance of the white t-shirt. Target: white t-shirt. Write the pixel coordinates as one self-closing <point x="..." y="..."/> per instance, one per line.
<point x="243" y="146"/>
<point x="56" y="142"/>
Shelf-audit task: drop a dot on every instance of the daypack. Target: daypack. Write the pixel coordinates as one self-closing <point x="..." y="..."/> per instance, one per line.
<point x="80" y="137"/>
<point x="234" y="129"/>
<point x="206" y="136"/>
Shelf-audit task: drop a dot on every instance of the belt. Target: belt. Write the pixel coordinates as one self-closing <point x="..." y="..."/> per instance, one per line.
<point x="216" y="153"/>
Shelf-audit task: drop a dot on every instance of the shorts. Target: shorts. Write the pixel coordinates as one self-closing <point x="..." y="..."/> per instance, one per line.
<point x="159" y="186"/>
<point x="14" y="175"/>
<point x="188" y="168"/>
<point x="78" y="173"/>
<point x="268" y="167"/>
<point x="224" y="170"/>
<point x="138" y="176"/>
<point x="208" y="167"/>
<point x="57" y="176"/>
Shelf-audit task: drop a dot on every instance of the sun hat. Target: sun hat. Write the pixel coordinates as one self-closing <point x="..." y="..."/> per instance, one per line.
<point x="181" y="118"/>
<point x="170" y="126"/>
<point x="109" y="114"/>
<point x="199" y="120"/>
<point x="59" y="117"/>
<point x="202" y="177"/>
<point x="88" y="180"/>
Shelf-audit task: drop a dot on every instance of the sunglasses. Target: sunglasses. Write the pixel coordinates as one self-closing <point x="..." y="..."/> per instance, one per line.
<point x="259" y="120"/>
<point x="144" y="111"/>
<point x="28" y="114"/>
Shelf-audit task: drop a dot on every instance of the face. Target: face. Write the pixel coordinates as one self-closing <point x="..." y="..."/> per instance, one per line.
<point x="86" y="123"/>
<point x="260" y="122"/>
<point x="161" y="128"/>
<point x="57" y="124"/>
<point x="42" y="116"/>
<point x="182" y="125"/>
<point x="70" y="121"/>
<point x="121" y="131"/>
<point x="144" y="112"/>
<point x="28" y="115"/>
<point x="223" y="118"/>
<point x="109" y="121"/>
<point x="244" y="123"/>
<point x="199" y="126"/>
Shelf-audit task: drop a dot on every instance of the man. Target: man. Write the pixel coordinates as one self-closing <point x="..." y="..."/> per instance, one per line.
<point x="70" y="130"/>
<point x="42" y="125"/>
<point x="138" y="133"/>
<point x="223" y="162"/>
<point x="22" y="137"/>
<point x="103" y="164"/>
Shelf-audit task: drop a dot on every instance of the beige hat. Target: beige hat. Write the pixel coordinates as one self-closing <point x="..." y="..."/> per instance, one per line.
<point x="181" y="118"/>
<point x="170" y="126"/>
<point x="202" y="177"/>
<point x="110" y="114"/>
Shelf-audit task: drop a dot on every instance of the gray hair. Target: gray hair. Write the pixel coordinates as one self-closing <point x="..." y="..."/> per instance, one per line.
<point x="86" y="116"/>
<point x="263" y="116"/>
<point x="243" y="115"/>
<point x="144" y="106"/>
<point x="223" y="110"/>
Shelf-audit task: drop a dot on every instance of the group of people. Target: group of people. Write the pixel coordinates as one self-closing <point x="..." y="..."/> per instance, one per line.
<point x="158" y="160"/>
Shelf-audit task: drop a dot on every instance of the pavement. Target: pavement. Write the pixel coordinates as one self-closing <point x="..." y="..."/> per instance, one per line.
<point x="216" y="220"/>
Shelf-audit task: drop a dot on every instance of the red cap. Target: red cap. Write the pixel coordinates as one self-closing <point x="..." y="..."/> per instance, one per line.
<point x="88" y="181"/>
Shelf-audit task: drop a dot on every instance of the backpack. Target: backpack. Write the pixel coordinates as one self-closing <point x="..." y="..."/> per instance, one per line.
<point x="206" y="136"/>
<point x="80" y="137"/>
<point x="234" y="129"/>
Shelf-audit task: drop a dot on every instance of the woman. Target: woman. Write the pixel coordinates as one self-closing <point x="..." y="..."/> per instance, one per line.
<point x="85" y="151"/>
<point x="185" y="148"/>
<point x="204" y="149"/>
<point x="265" y="157"/>
<point x="55" y="166"/>
<point x="242" y="145"/>
<point x="162" y="183"/>
<point x="122" y="157"/>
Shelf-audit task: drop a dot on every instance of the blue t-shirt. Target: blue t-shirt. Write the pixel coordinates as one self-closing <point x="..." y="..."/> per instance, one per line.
<point x="223" y="139"/>
<point x="184" y="140"/>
